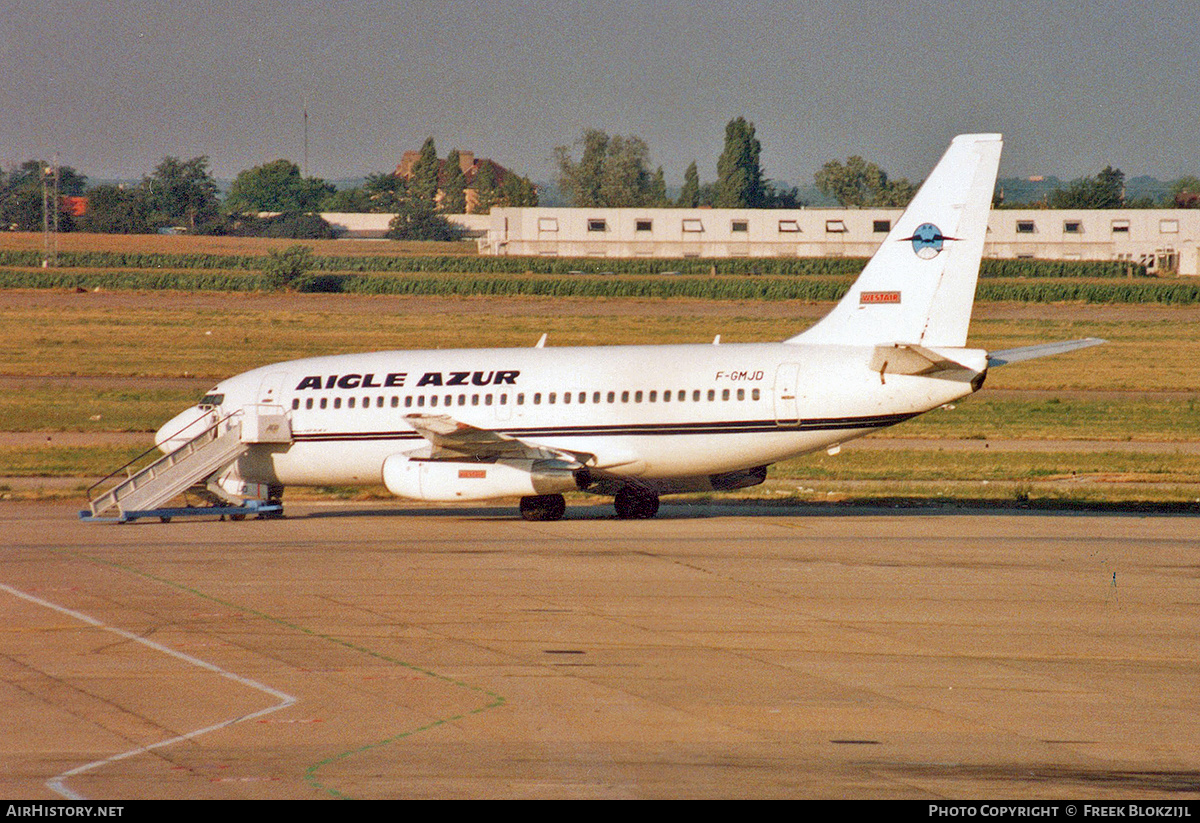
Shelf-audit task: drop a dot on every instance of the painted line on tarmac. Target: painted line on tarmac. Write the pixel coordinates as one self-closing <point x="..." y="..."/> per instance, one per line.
<point x="495" y="700"/>
<point x="58" y="783"/>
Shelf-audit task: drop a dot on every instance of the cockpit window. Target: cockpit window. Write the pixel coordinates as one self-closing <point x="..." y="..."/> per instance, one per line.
<point x="210" y="400"/>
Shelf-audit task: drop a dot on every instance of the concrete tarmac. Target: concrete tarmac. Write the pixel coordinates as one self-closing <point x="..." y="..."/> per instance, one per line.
<point x="721" y="650"/>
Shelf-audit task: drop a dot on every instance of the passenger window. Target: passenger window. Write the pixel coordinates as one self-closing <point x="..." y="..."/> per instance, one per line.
<point x="324" y="402"/>
<point x="504" y="400"/>
<point x="487" y="400"/>
<point x="553" y="395"/>
<point x="612" y="397"/>
<point x="521" y="399"/>
<point x="566" y="397"/>
<point x="337" y="402"/>
<point x="595" y="397"/>
<point x="395" y="401"/>
<point x="537" y="398"/>
<point x="682" y="395"/>
<point x="379" y="402"/>
<point x="308" y="403"/>
<point x="421" y="401"/>
<point x="725" y="394"/>
<point x="712" y="394"/>
<point x="653" y="396"/>
<point x="696" y="395"/>
<point x="474" y="400"/>
<point x="583" y="397"/>
<point x="295" y="403"/>
<point x="637" y="397"/>
<point x="741" y="394"/>
<point x="462" y="400"/>
<point x="624" y="397"/>
<point x="755" y="394"/>
<point x="666" y="397"/>
<point x="366" y="402"/>
<point x="408" y="401"/>
<point x="433" y="400"/>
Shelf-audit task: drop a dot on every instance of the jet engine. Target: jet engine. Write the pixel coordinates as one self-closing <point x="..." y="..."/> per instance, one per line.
<point x="450" y="480"/>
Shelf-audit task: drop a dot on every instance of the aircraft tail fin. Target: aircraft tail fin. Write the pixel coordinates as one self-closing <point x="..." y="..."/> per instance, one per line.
<point x="919" y="287"/>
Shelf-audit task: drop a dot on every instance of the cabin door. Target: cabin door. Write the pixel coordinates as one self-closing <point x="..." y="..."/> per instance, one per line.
<point x="787" y="380"/>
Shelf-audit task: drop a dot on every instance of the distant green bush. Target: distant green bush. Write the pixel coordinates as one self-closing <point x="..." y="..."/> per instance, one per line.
<point x="280" y="268"/>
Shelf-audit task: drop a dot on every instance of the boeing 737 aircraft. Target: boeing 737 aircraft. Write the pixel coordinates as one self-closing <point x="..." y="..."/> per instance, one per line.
<point x="634" y="422"/>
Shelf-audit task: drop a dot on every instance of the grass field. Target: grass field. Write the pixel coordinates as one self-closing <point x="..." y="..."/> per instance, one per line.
<point x="128" y="361"/>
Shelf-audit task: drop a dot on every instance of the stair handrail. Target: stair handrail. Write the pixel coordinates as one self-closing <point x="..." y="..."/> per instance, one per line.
<point x="154" y="448"/>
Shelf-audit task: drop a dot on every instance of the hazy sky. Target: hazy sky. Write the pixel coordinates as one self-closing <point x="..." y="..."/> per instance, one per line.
<point x="114" y="85"/>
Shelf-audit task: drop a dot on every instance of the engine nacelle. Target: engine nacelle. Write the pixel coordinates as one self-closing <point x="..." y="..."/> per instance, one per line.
<point x="447" y="481"/>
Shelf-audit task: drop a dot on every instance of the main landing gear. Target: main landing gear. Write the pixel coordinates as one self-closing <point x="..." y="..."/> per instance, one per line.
<point x="633" y="503"/>
<point x="543" y="507"/>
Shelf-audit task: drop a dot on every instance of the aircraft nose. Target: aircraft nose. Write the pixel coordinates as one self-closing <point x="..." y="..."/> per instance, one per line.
<point x="181" y="428"/>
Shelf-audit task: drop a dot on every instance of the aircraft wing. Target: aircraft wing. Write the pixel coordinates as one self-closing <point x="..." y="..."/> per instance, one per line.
<point x="454" y="440"/>
<point x="1003" y="358"/>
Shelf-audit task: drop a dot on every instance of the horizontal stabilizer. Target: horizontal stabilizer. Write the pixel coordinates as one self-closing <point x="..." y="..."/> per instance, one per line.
<point x="904" y="358"/>
<point x="1003" y="358"/>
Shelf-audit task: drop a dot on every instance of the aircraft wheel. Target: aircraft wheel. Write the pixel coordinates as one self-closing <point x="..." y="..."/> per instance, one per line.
<point x="543" y="507"/>
<point x="635" y="504"/>
<point x="237" y="517"/>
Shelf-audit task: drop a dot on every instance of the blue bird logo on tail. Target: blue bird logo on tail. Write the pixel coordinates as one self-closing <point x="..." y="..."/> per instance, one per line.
<point x="927" y="241"/>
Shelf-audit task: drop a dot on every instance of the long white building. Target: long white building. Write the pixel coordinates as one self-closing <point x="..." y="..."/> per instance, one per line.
<point x="1162" y="239"/>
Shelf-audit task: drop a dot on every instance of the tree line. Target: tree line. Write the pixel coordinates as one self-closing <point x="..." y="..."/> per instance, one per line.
<point x="612" y="171"/>
<point x="184" y="194"/>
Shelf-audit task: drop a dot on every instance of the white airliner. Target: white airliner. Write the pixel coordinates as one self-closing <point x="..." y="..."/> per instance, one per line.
<point x="633" y="421"/>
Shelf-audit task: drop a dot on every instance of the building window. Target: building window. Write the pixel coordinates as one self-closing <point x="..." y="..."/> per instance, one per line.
<point x="789" y="226"/>
<point x="1168" y="226"/>
<point x="740" y="226"/>
<point x="881" y="226"/>
<point x="835" y="227"/>
<point x="643" y="225"/>
<point x="595" y="224"/>
<point x="548" y="224"/>
<point x="1072" y="227"/>
<point x="1120" y="226"/>
<point x="693" y="226"/>
<point x="1025" y="227"/>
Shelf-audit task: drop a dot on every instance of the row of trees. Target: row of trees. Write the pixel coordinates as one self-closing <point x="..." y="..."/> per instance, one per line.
<point x="183" y="193"/>
<point x="614" y="171"/>
<point x="1107" y="191"/>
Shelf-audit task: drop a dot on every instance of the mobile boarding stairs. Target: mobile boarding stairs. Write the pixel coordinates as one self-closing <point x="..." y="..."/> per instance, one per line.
<point x="205" y="465"/>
